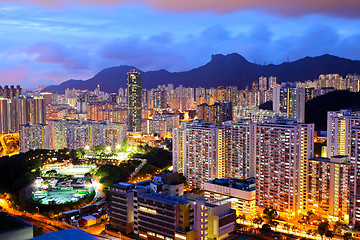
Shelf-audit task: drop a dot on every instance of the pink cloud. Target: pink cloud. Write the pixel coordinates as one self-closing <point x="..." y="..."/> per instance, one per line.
<point x="15" y="74"/>
<point x="344" y="8"/>
<point x="55" y="53"/>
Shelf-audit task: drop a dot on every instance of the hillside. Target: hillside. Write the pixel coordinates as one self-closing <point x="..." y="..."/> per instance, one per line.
<point x="317" y="108"/>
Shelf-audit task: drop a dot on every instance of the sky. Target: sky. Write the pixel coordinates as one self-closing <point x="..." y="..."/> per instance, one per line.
<point x="45" y="42"/>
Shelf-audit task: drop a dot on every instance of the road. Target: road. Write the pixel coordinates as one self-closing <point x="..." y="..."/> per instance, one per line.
<point x="97" y="229"/>
<point x="279" y="229"/>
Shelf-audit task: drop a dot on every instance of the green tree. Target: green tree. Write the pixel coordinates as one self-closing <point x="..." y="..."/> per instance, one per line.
<point x="329" y="234"/>
<point x="265" y="228"/>
<point x="270" y="215"/>
<point x="241" y="217"/>
<point x="347" y="236"/>
<point x="338" y="225"/>
<point x="258" y="220"/>
<point x="323" y="227"/>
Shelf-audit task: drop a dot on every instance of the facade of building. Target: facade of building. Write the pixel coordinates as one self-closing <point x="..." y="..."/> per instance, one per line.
<point x="33" y="136"/>
<point x="20" y="110"/>
<point x="218" y="112"/>
<point x="151" y="126"/>
<point x="289" y="99"/>
<point x="172" y="120"/>
<point x="254" y="114"/>
<point x="57" y="134"/>
<point x="354" y="216"/>
<point x="239" y="146"/>
<point x="339" y="126"/>
<point x="153" y="212"/>
<point x="282" y="150"/>
<point x="198" y="152"/>
<point x="134" y="100"/>
<point x="328" y="187"/>
<point x="78" y="134"/>
<point x="73" y="134"/>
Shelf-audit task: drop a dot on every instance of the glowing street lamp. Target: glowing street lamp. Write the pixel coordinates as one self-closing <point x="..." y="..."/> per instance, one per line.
<point x="108" y="148"/>
<point x="87" y="148"/>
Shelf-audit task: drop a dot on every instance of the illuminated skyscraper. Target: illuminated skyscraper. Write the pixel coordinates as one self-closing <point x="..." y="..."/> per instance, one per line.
<point x="262" y="83"/>
<point x="57" y="134"/>
<point x="134" y="100"/>
<point x="198" y="152"/>
<point x="289" y="99"/>
<point x="33" y="136"/>
<point x="282" y="150"/>
<point x="354" y="210"/>
<point x="328" y="187"/>
<point x="338" y="131"/>
<point x="239" y="149"/>
<point x="272" y="82"/>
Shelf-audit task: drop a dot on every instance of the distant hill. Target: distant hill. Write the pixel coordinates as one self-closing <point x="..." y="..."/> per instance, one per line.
<point x="226" y="70"/>
<point x="316" y="109"/>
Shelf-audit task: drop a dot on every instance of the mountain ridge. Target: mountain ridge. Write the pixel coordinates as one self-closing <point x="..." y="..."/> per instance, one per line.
<point x="227" y="70"/>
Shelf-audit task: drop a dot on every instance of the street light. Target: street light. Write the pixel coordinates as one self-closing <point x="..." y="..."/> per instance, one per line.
<point x="38" y="210"/>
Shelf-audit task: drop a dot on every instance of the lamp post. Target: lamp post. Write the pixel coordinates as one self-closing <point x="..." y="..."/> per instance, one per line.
<point x="38" y="210"/>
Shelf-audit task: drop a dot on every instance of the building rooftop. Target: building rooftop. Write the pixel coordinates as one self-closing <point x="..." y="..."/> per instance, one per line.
<point x="68" y="234"/>
<point x="241" y="184"/>
<point x="9" y="223"/>
<point x="165" y="197"/>
<point x="339" y="159"/>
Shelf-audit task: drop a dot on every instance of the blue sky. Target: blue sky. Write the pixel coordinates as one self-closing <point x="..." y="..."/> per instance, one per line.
<point x="46" y="43"/>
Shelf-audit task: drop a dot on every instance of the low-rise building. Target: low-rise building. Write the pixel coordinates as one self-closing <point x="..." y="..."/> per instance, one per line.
<point x="12" y="228"/>
<point x="159" y="210"/>
<point x="240" y="191"/>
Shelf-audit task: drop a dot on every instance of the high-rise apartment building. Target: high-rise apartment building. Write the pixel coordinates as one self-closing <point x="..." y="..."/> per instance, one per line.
<point x="72" y="134"/>
<point x="220" y="111"/>
<point x="289" y="99"/>
<point x="57" y="134"/>
<point x="254" y="114"/>
<point x="262" y="83"/>
<point x="339" y="126"/>
<point x="11" y="92"/>
<point x="272" y="82"/>
<point x="198" y="152"/>
<point x="328" y="187"/>
<point x="20" y="110"/>
<point x="5" y="117"/>
<point x="282" y="150"/>
<point x="134" y="100"/>
<point x="78" y="135"/>
<point x="239" y="146"/>
<point x="37" y="110"/>
<point x="159" y="99"/>
<point x="354" y="210"/>
<point x="172" y="120"/>
<point x="32" y="137"/>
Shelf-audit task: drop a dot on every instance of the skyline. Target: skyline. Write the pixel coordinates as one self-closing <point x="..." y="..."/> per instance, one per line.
<point x="47" y="43"/>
